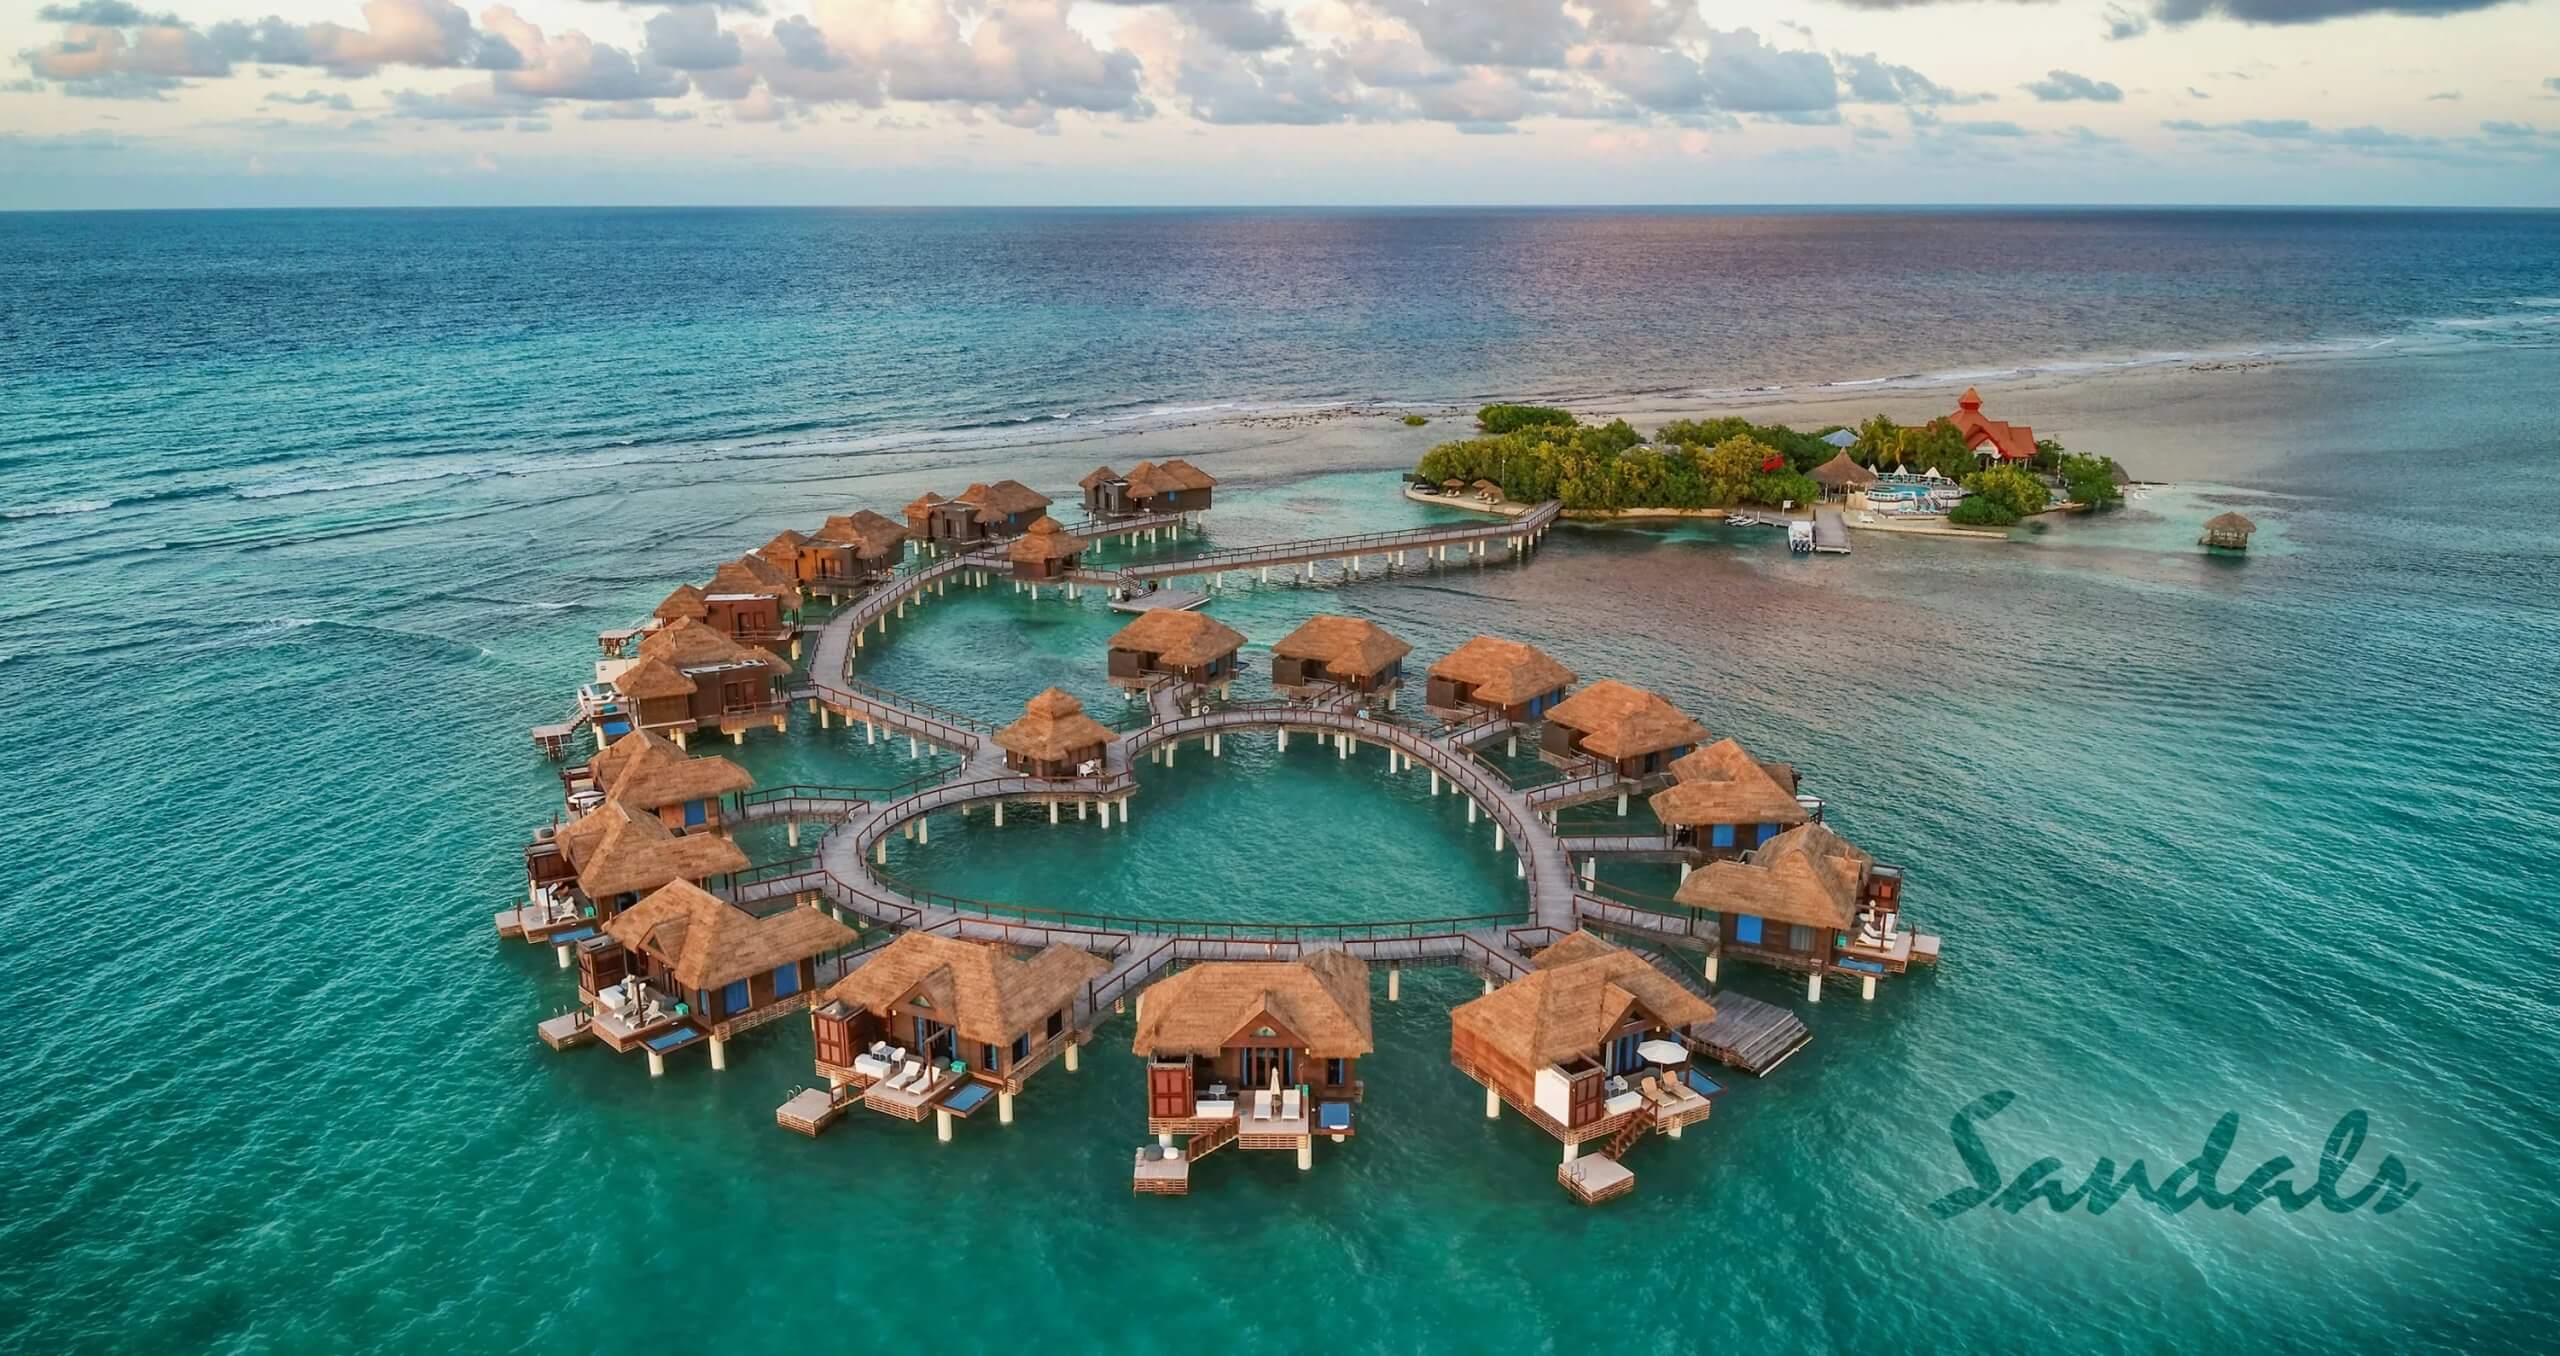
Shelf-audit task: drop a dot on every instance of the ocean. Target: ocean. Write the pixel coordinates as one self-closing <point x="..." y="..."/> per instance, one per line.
<point x="306" y="517"/>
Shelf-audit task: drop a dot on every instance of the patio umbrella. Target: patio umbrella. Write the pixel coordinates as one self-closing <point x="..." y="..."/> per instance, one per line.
<point x="1663" y="1052"/>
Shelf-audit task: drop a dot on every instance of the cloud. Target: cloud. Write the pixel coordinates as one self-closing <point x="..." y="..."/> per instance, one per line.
<point x="113" y="49"/>
<point x="574" y="66"/>
<point x="1872" y="80"/>
<point x="2448" y="96"/>
<point x="690" y="39"/>
<point x="2176" y="12"/>
<point x="312" y="98"/>
<point x="1745" y="75"/>
<point x="1238" y="25"/>
<point x="2194" y="93"/>
<point x="633" y="110"/>
<point x="2060" y="86"/>
<point x="106" y="14"/>
<point x="1984" y="128"/>
<point x="2510" y="129"/>
<point x="1532" y="33"/>
<point x="2124" y="24"/>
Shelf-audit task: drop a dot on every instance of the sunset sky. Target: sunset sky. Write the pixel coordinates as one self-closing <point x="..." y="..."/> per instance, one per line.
<point x="114" y="103"/>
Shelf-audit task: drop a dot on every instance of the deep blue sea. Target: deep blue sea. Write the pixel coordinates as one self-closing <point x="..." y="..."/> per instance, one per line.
<point x="305" y="517"/>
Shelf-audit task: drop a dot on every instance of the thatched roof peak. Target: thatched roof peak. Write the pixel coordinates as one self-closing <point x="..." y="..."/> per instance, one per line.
<point x="1841" y="472"/>
<point x="1053" y="727"/>
<point x="1182" y="639"/>
<point x="709" y="942"/>
<point x="1807" y="875"/>
<point x="619" y="850"/>
<point x="1504" y="672"/>
<point x="1045" y="539"/>
<point x="1322" y="998"/>
<point x="1722" y="783"/>
<point x="2230" y="522"/>
<point x="1579" y="993"/>
<point x="1348" y="647"/>
<point x="1100" y="475"/>
<point x="689" y="646"/>
<point x="989" y="993"/>
<point x="1004" y="498"/>
<point x="1620" y="720"/>
<point x="685" y="601"/>
<point x="646" y="770"/>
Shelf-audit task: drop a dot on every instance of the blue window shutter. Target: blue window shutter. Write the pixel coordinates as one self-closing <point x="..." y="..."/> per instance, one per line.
<point x="1723" y="836"/>
<point x="694" y="814"/>
<point x="1746" y="929"/>
<point x="1767" y="832"/>
<point x="733" y="999"/>
<point x="786" y="980"/>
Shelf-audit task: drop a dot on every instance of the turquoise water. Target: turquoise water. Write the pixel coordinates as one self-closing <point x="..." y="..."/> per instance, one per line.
<point x="2266" y="835"/>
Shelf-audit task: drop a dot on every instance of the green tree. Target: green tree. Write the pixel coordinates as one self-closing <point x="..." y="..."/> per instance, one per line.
<point x="2013" y="490"/>
<point x="1511" y="418"/>
<point x="2090" y="481"/>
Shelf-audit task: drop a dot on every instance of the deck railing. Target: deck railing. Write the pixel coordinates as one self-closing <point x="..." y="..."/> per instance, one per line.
<point x="1234" y="556"/>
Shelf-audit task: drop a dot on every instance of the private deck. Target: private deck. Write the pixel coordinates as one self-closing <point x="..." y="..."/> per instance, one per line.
<point x="1161" y="1172"/>
<point x="1595" y="1178"/>
<point x="812" y="1110"/>
<point x="1750" y="1035"/>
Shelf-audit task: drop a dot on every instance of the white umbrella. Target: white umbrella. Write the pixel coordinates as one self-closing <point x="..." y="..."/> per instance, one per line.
<point x="1663" y="1052"/>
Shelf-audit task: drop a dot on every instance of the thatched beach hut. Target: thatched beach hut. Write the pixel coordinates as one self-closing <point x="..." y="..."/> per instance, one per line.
<point x="2227" y="532"/>
<point x="1516" y="681"/>
<point x="1001" y="509"/>
<point x="1722" y="801"/>
<point x="1632" y="730"/>
<point x="1170" y="486"/>
<point x="1055" y="739"/>
<point x="1587" y="1046"/>
<point x="1265" y="1052"/>
<point x="1840" y="475"/>
<point x="726" y="970"/>
<point x="690" y="676"/>
<point x="684" y="604"/>
<point x="1191" y="645"/>
<point x="1106" y="493"/>
<point x="647" y="772"/>
<point x="1347" y="652"/>
<point x="904" y="1024"/>
<point x="1808" y="901"/>
<point x="616" y="853"/>
<point x="1045" y="551"/>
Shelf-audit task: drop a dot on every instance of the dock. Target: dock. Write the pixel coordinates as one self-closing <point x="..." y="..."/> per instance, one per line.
<point x="812" y="1110"/>
<point x="1594" y="1178"/>
<point x="1830" y="532"/>
<point x="1154" y="600"/>
<point x="1750" y="1035"/>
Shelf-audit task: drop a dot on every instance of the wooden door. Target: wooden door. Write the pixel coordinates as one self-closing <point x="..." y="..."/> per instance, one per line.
<point x="1588" y="1098"/>
<point x="1169" y="1091"/>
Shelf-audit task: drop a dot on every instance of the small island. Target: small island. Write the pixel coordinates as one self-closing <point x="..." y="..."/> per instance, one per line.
<point x="1963" y="469"/>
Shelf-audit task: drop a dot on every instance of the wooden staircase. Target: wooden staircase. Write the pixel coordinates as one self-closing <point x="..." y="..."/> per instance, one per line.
<point x="1211" y="1140"/>
<point x="1629" y="1133"/>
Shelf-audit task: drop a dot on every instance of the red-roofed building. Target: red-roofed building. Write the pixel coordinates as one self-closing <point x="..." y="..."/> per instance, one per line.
<point x="1989" y="439"/>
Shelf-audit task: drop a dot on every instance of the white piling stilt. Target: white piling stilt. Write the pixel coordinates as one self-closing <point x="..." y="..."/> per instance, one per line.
<point x="1711" y="967"/>
<point x="1497" y="837"/>
<point x="1622" y="804"/>
<point x="1004" y="1108"/>
<point x="1867" y="987"/>
<point x="1571" y="1151"/>
<point x="1053" y="812"/>
<point x="561" y="954"/>
<point x="1471" y="809"/>
<point x="942" y="1125"/>
<point x="1306" y="1152"/>
<point x="1084" y="808"/>
<point x="657" y="1064"/>
<point x="1513" y="747"/>
<point x="1394" y="983"/>
<point x="1071" y="1057"/>
<point x="1813" y="988"/>
<point x="719" y="1054"/>
<point x="999" y="814"/>
<point x="1435" y="781"/>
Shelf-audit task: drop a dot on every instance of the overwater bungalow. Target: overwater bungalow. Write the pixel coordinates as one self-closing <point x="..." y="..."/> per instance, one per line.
<point x="880" y="541"/>
<point x="686" y="603"/>
<point x="1261" y="1054"/>
<point x="751" y="601"/>
<point x="1045" y="551"/>
<point x="1170" y="486"/>
<point x="979" y="514"/>
<point x="588" y="870"/>
<point x="1589" y="1045"/>
<point x="690" y="677"/>
<point x="685" y="966"/>
<point x="1055" y="739"/>
<point x="1190" y="645"/>
<point x="1990" y="440"/>
<point x="1512" y="680"/>
<point x="1632" y="730"/>
<point x="1348" y="653"/>
<point x="783" y="552"/>
<point x="898" y="1031"/>
<point x="1810" y="902"/>
<point x="1106" y="493"/>
<point x="1723" y="802"/>
<point x="2227" y="531"/>
<point x="919" y="516"/>
<point x="647" y="772"/>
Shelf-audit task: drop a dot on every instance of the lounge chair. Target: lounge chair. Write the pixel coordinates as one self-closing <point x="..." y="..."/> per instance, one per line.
<point x="1289" y="1105"/>
<point x="1262" y="1105"/>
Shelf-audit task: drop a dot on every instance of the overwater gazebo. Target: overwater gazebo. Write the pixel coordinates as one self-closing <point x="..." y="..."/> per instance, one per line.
<point x="1054" y="738"/>
<point x="2227" y="531"/>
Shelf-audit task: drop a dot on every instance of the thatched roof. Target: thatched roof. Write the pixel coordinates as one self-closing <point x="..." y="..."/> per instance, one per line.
<point x="784" y="549"/>
<point x="1580" y="993"/>
<point x="1322" y="998"/>
<point x="647" y="771"/>
<point x="1181" y="639"/>
<point x="1045" y="539"/>
<point x="1841" y="473"/>
<point x="1504" y="672"/>
<point x="1053" y="726"/>
<point x="691" y="645"/>
<point x="652" y="678"/>
<point x="873" y="535"/>
<point x="1348" y="647"/>
<point x="685" y="602"/>
<point x="708" y="942"/>
<point x="1148" y="479"/>
<point x="1100" y="475"/>
<point x="1806" y="875"/>
<point x="1723" y="784"/>
<point x="757" y="576"/>
<point x="1004" y="498"/>
<point x="989" y="993"/>
<point x="2229" y="522"/>
<point x="618" y="849"/>
<point x="917" y="510"/>
<point x="1619" y="720"/>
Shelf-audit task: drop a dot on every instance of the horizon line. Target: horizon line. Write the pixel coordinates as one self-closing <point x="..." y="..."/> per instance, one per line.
<point x="1964" y="208"/>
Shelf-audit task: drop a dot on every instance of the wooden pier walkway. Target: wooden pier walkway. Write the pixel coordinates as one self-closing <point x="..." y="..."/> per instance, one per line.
<point x="1750" y="1035"/>
<point x="1830" y="532"/>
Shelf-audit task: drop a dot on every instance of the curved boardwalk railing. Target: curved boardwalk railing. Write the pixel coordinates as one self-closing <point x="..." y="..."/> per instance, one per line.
<point x="1364" y="543"/>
